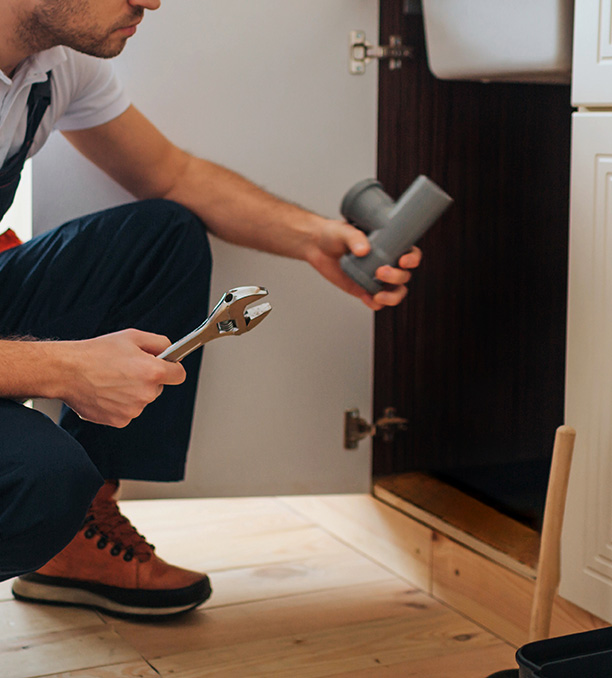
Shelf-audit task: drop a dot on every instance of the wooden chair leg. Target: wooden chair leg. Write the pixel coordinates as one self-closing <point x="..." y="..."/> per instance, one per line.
<point x="549" y="562"/>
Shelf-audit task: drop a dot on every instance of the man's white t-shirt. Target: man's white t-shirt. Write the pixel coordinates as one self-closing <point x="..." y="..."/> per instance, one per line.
<point x="84" y="93"/>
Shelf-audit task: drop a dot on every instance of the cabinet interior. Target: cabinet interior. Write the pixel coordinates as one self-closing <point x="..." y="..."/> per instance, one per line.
<point x="475" y="358"/>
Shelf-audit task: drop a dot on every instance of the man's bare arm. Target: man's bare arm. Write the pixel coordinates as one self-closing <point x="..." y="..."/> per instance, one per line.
<point x="133" y="152"/>
<point x="29" y="369"/>
<point x="108" y="380"/>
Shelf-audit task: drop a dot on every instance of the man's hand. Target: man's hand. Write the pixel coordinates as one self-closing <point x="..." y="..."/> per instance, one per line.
<point x="338" y="238"/>
<point x="111" y="379"/>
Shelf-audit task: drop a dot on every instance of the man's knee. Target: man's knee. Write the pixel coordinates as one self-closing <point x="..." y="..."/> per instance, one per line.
<point x="161" y="218"/>
<point x="44" y="500"/>
<point x="167" y="228"/>
<point x="178" y="225"/>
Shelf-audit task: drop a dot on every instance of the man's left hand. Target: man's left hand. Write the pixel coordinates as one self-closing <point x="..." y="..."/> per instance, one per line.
<point x="336" y="239"/>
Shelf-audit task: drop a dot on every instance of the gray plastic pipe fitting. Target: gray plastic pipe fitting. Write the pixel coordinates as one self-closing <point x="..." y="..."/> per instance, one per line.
<point x="392" y="227"/>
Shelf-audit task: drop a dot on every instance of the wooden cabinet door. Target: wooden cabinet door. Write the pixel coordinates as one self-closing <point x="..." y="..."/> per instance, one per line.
<point x="587" y="547"/>
<point x="592" y="61"/>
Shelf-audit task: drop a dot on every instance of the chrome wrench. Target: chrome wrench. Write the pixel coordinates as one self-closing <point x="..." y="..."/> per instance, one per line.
<point x="230" y="317"/>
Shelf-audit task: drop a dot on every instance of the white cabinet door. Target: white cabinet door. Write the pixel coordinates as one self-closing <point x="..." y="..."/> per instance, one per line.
<point x="587" y="543"/>
<point x="592" y="60"/>
<point x="261" y="86"/>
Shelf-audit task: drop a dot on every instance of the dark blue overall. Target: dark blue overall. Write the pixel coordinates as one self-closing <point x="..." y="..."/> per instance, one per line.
<point x="145" y="265"/>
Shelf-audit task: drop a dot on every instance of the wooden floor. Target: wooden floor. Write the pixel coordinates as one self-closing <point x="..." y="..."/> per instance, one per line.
<point x="290" y="600"/>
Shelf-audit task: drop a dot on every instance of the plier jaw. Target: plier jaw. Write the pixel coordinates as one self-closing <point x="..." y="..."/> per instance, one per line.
<point x="231" y="314"/>
<point x="230" y="317"/>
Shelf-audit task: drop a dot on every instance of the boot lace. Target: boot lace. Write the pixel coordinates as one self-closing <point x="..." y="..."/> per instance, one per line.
<point x="106" y="521"/>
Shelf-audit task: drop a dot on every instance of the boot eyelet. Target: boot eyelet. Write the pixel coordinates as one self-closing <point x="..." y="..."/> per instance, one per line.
<point x="127" y="557"/>
<point x="115" y="551"/>
<point x="102" y="542"/>
<point x="90" y="533"/>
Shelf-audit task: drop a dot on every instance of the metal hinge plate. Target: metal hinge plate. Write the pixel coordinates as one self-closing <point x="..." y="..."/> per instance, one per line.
<point x="362" y="52"/>
<point x="356" y="428"/>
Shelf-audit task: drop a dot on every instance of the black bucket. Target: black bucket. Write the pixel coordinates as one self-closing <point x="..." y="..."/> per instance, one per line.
<point x="581" y="655"/>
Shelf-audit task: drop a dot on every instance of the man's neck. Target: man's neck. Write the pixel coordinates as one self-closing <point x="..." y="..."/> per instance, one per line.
<point x="11" y="66"/>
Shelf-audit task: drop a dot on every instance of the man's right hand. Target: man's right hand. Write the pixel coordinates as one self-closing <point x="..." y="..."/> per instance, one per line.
<point x="111" y="379"/>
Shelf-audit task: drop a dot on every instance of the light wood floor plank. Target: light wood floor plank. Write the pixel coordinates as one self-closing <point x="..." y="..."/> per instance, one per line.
<point x="471" y="664"/>
<point x="22" y="619"/>
<point x="278" y="536"/>
<point x="327" y="571"/>
<point x="237" y="624"/>
<point x="375" y="529"/>
<point x="429" y="631"/>
<point x="239" y="516"/>
<point x="67" y="650"/>
<point x="40" y="639"/>
<point x="131" y="670"/>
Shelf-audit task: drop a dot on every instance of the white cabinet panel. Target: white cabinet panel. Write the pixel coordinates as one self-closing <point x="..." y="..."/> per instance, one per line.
<point x="264" y="88"/>
<point x="587" y="544"/>
<point x="592" y="61"/>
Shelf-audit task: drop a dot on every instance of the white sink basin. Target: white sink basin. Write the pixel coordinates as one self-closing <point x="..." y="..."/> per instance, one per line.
<point x="500" y="40"/>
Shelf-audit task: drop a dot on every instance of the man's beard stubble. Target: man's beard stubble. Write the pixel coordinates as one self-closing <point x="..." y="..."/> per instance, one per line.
<point x="60" y="22"/>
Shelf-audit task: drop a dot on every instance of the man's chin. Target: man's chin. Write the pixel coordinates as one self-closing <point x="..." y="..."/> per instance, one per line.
<point x="107" y="51"/>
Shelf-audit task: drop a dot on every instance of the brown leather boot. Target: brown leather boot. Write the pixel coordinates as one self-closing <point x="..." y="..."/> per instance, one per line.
<point x="109" y="566"/>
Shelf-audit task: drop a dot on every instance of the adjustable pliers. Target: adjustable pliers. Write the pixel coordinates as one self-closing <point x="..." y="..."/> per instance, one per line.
<point x="230" y="317"/>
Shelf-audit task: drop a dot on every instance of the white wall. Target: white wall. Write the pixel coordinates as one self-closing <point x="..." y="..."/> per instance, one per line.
<point x="261" y="86"/>
<point x="19" y="215"/>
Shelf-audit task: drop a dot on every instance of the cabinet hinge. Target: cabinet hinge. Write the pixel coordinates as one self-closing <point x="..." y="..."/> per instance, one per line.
<point x="356" y="428"/>
<point x="362" y="52"/>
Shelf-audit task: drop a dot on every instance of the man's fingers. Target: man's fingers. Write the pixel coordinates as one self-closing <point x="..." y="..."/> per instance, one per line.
<point x="392" y="276"/>
<point x="391" y="297"/>
<point x="358" y="242"/>
<point x="370" y="303"/>
<point x="411" y="259"/>
<point x="166" y="372"/>
<point x="174" y="373"/>
<point x="149" y="342"/>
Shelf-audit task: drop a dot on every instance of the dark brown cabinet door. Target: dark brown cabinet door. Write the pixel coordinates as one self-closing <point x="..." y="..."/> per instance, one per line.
<point x="475" y="357"/>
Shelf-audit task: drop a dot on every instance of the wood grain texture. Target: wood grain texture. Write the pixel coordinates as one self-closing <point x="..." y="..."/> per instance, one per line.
<point x="430" y="630"/>
<point x="463" y="518"/>
<point x="132" y="670"/>
<point x="211" y="628"/>
<point x="325" y="571"/>
<point x="376" y="530"/>
<point x="469" y="664"/>
<point x="47" y="641"/>
<point x="306" y="586"/>
<point x="219" y="535"/>
<point x="496" y="597"/>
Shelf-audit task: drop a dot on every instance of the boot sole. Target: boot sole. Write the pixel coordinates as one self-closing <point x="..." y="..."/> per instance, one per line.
<point x="35" y="588"/>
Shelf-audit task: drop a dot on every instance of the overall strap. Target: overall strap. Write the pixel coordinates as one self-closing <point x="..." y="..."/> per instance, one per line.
<point x="10" y="173"/>
<point x="38" y="102"/>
